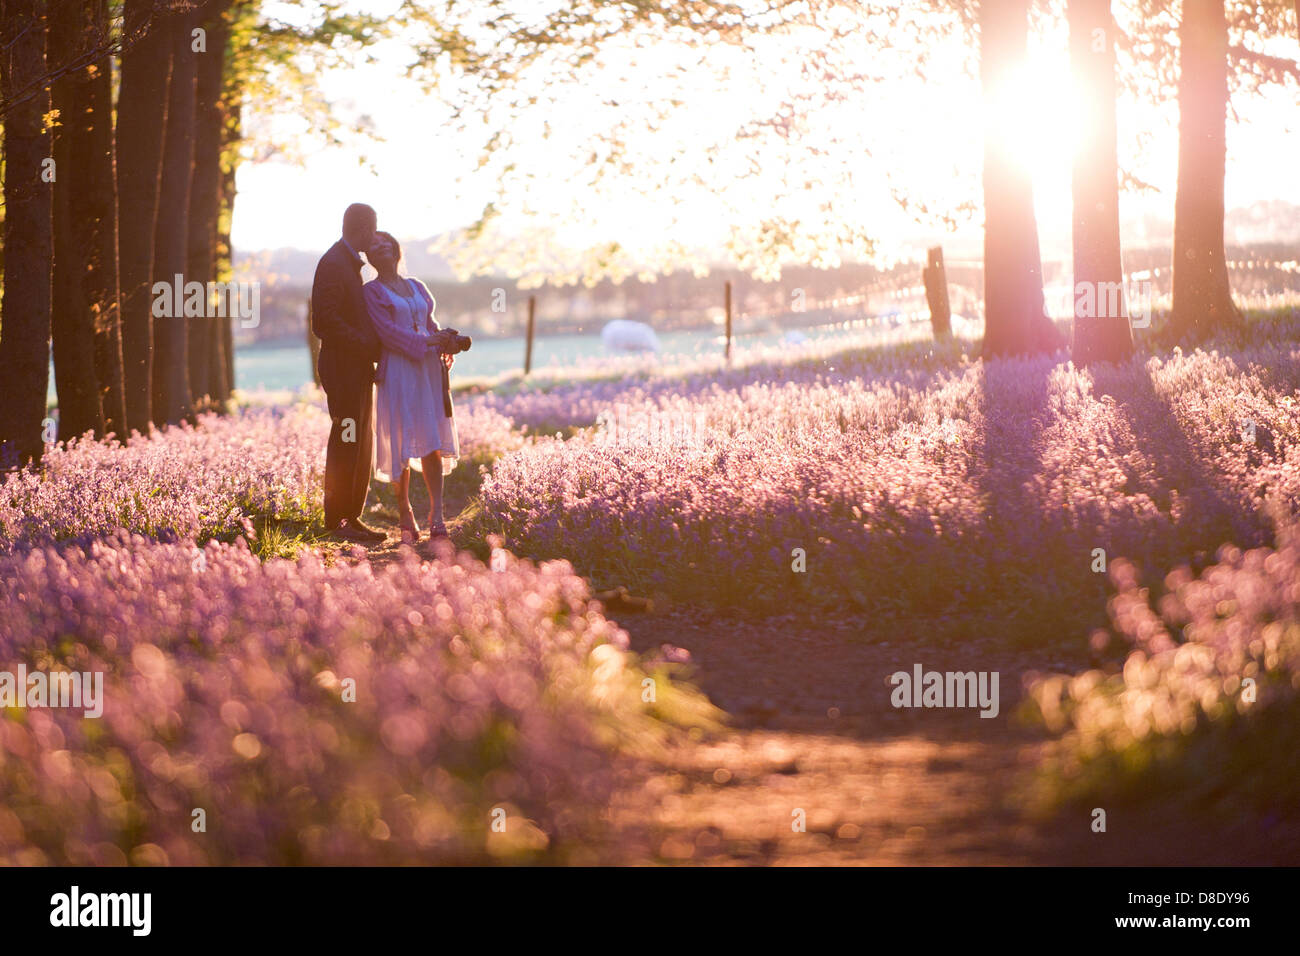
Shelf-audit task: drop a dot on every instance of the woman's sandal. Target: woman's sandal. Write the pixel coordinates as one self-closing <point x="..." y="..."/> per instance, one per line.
<point x="437" y="532"/>
<point x="410" y="532"/>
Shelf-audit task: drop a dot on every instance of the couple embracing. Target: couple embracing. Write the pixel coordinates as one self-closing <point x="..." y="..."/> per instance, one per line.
<point x="406" y="422"/>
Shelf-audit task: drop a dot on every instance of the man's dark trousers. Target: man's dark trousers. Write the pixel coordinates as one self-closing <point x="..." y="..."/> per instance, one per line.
<point x="348" y="464"/>
<point x="349" y="349"/>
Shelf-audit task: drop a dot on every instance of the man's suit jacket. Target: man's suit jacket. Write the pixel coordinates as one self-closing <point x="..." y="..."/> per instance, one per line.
<point x="349" y="345"/>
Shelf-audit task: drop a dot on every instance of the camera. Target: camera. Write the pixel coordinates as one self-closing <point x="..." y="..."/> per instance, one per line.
<point x="450" y="342"/>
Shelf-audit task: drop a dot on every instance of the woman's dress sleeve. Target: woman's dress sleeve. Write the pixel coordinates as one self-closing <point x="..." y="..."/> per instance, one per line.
<point x="383" y="316"/>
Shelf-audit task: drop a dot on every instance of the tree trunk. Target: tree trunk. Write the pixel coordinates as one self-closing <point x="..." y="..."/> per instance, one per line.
<point x="172" y="402"/>
<point x="103" y="286"/>
<point x="207" y="366"/>
<point x="79" y="218"/>
<point x="141" y="122"/>
<point x="217" y="365"/>
<point x="1101" y="325"/>
<point x="25" y="314"/>
<point x="1014" y="318"/>
<point x="232" y="133"/>
<point x="1202" y="298"/>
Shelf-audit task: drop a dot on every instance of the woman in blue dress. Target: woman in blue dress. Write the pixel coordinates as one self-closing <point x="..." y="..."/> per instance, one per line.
<point x="415" y="425"/>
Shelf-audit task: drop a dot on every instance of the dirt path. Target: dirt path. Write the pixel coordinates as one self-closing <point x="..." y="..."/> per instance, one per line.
<point x="813" y="730"/>
<point x="381" y="514"/>
<point x="813" y="736"/>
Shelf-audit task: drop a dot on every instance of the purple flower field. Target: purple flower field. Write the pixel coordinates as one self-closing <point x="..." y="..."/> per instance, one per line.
<point x="552" y="402"/>
<point x="922" y="490"/>
<point x="195" y="482"/>
<point x="912" y="486"/>
<point x="476" y="696"/>
<point x="979" y="492"/>
<point x="1209" y="690"/>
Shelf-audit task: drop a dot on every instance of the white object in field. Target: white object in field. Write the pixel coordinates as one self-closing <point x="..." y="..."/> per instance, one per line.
<point x="794" y="337"/>
<point x="624" y="335"/>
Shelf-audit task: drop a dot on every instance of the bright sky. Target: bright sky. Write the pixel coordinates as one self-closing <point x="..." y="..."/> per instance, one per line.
<point x="925" y="136"/>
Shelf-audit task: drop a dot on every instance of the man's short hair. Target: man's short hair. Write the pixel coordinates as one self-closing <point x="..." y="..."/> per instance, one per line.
<point x="359" y="214"/>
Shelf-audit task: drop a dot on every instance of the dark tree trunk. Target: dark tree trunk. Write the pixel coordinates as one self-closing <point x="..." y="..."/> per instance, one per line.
<point x="207" y="367"/>
<point x="172" y="402"/>
<point x="232" y="132"/>
<point x="1015" y="322"/>
<point x="1101" y="325"/>
<point x="1202" y="298"/>
<point x="80" y="216"/>
<point x="141" y="122"/>
<point x="217" y="360"/>
<point x="103" y="286"/>
<point x="25" y="314"/>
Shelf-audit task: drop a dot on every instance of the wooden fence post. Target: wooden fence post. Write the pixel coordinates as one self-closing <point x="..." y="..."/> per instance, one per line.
<point x="528" y="350"/>
<point x="936" y="293"/>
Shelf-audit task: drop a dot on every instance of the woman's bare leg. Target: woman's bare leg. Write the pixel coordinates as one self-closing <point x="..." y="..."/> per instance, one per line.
<point x="405" y="516"/>
<point x="432" y="465"/>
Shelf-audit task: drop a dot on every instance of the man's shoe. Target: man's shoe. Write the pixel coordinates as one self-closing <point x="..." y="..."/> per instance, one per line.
<point x="372" y="533"/>
<point x="348" y="531"/>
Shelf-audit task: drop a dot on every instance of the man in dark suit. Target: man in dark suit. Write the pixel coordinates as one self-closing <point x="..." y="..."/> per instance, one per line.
<point x="349" y="349"/>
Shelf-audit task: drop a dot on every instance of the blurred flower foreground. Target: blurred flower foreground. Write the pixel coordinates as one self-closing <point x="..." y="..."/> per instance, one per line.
<point x="289" y="712"/>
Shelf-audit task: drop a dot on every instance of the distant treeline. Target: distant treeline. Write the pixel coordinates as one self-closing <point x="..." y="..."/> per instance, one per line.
<point x="681" y="300"/>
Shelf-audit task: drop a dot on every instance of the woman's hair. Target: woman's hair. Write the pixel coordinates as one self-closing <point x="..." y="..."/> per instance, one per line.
<point x="397" y="250"/>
